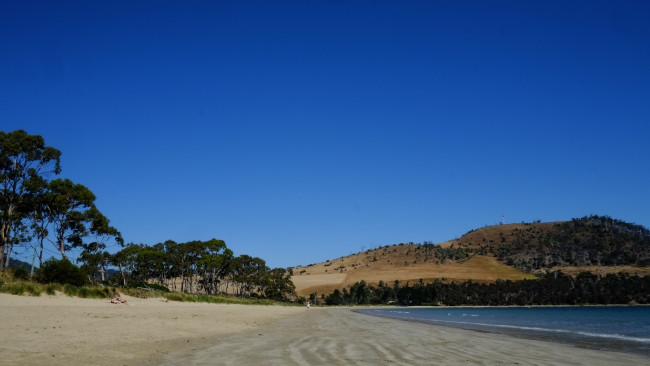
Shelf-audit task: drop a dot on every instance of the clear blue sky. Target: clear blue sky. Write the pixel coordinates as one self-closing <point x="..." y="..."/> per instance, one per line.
<point x="301" y="131"/>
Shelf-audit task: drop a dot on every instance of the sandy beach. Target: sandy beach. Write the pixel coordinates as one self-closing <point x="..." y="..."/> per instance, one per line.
<point x="61" y="330"/>
<point x="57" y="330"/>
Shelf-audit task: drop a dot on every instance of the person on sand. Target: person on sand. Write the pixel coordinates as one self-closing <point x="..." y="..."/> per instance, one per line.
<point x="308" y="305"/>
<point x="117" y="300"/>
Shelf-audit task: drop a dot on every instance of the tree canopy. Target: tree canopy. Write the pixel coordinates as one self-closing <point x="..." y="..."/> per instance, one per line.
<point x="24" y="162"/>
<point x="59" y="211"/>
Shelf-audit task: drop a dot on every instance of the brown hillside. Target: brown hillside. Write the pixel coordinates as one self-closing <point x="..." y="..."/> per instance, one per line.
<point x="491" y="235"/>
<point x="409" y="263"/>
<point x="403" y="262"/>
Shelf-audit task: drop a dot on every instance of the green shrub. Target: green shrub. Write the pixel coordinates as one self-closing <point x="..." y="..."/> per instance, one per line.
<point x="61" y="271"/>
<point x="20" y="273"/>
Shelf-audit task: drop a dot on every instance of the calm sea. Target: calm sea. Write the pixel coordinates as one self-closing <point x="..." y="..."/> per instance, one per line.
<point x="617" y="328"/>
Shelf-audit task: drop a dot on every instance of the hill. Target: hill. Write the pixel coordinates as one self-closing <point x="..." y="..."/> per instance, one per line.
<point x="596" y="244"/>
<point x="17" y="263"/>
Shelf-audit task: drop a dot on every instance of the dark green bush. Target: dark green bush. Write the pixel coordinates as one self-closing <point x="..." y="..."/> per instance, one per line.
<point x="61" y="271"/>
<point x="20" y="273"/>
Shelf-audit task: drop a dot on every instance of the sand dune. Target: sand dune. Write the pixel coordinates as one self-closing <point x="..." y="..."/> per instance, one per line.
<point x="65" y="331"/>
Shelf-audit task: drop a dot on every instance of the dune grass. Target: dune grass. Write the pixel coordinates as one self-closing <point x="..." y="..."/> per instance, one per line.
<point x="26" y="287"/>
<point x="16" y="286"/>
<point x="211" y="299"/>
<point x="19" y="286"/>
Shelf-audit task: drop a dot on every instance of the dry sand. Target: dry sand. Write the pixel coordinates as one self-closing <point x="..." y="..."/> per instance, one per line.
<point x="60" y="330"/>
<point x="65" y="331"/>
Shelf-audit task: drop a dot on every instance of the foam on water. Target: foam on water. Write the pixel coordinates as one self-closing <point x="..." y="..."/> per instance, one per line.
<point x="617" y="328"/>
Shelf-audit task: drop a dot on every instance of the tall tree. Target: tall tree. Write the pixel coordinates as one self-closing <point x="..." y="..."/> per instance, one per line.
<point x="71" y="208"/>
<point x="248" y="273"/>
<point x="24" y="158"/>
<point x="277" y="284"/>
<point x="213" y="264"/>
<point x="94" y="254"/>
<point x="40" y="218"/>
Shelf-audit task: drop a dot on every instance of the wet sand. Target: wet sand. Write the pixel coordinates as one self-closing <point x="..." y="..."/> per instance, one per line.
<point x="337" y="336"/>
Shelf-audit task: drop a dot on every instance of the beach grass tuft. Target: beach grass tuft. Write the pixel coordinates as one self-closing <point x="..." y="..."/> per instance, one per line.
<point x="52" y="288"/>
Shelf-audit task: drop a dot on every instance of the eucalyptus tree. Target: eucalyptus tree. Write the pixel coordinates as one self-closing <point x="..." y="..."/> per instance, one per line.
<point x="39" y="218"/>
<point x="122" y="259"/>
<point x="24" y="158"/>
<point x="201" y="264"/>
<point x="71" y="208"/>
<point x="94" y="254"/>
<point x="213" y="264"/>
<point x="127" y="261"/>
<point x="94" y="260"/>
<point x="18" y="233"/>
<point x="248" y="274"/>
<point x="277" y="284"/>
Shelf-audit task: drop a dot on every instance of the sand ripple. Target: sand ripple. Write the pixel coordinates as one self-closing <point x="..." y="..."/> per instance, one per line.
<point x="342" y="337"/>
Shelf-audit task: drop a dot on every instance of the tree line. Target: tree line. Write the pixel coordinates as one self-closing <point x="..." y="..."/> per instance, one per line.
<point x="201" y="267"/>
<point x="50" y="213"/>
<point x="553" y="288"/>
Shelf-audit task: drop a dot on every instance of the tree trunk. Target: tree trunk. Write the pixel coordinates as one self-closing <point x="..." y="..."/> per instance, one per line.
<point x="62" y="248"/>
<point x="102" y="270"/>
<point x="40" y="255"/>
<point x="122" y="273"/>
<point x="2" y="255"/>
<point x="4" y="239"/>
<point x="8" y="257"/>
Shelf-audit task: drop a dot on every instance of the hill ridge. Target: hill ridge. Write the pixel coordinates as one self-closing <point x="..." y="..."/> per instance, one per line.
<point x="506" y="252"/>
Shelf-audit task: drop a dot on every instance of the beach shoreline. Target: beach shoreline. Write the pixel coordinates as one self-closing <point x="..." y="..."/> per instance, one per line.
<point x="342" y="336"/>
<point x="61" y="331"/>
<point x="586" y="339"/>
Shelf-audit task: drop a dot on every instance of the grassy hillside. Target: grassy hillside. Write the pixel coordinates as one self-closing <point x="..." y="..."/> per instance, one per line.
<point x="600" y="245"/>
<point x="407" y="263"/>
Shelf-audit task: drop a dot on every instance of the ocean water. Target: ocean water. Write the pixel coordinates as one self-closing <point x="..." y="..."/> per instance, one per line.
<point x="615" y="328"/>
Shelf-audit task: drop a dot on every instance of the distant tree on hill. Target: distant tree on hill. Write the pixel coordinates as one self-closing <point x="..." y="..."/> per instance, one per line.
<point x="591" y="240"/>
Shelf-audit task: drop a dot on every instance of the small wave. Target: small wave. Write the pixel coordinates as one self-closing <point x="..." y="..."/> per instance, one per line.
<point x="564" y="331"/>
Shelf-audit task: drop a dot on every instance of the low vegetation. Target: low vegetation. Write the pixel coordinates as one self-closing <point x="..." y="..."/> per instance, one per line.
<point x="19" y="286"/>
<point x="554" y="288"/>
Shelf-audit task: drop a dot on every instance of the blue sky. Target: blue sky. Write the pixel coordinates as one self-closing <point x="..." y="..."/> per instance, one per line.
<point x="301" y="131"/>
